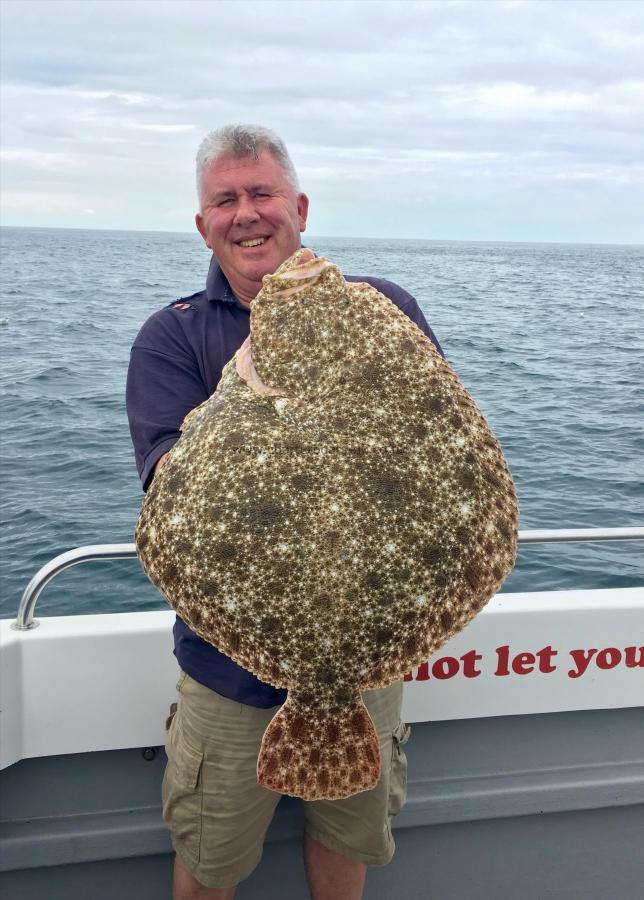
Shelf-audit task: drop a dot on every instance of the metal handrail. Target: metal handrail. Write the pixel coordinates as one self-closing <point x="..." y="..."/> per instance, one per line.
<point x="25" y="617"/>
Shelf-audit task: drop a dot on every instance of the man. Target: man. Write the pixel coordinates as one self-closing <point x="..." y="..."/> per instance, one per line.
<point x="251" y="215"/>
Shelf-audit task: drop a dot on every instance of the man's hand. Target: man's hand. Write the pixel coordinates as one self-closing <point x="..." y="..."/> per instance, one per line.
<point x="160" y="462"/>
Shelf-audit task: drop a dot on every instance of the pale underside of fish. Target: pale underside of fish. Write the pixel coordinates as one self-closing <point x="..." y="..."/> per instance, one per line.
<point x="331" y="516"/>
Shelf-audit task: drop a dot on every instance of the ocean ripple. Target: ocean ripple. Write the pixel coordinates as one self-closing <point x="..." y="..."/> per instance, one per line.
<point x="545" y="337"/>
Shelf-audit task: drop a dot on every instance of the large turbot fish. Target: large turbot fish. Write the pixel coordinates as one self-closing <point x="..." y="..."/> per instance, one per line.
<point x="331" y="515"/>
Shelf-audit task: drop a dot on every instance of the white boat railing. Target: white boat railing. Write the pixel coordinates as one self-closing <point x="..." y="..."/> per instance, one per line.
<point x="25" y="616"/>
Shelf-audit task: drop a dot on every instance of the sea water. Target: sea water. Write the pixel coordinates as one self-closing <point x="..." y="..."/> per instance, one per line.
<point x="548" y="338"/>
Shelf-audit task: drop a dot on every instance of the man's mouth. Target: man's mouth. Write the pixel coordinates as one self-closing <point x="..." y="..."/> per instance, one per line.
<point x="252" y="242"/>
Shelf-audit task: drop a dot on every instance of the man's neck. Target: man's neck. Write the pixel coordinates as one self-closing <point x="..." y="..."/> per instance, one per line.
<point x="245" y="293"/>
<point x="243" y="302"/>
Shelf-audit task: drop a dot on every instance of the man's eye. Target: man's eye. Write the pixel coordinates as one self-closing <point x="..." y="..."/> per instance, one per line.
<point x="260" y="194"/>
<point x="225" y="202"/>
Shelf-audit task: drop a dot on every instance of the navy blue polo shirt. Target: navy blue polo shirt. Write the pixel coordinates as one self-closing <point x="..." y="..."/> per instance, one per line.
<point x="175" y="364"/>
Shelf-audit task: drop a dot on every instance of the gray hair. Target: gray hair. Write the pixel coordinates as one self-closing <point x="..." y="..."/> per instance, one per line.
<point x="240" y="141"/>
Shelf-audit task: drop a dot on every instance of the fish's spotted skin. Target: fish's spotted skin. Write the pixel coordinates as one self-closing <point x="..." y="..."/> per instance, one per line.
<point x="330" y="517"/>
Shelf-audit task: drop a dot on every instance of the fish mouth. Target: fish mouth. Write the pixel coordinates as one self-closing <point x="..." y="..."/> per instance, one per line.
<point x="290" y="279"/>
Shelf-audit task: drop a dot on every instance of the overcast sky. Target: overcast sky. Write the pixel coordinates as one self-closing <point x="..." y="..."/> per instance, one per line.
<point x="485" y="120"/>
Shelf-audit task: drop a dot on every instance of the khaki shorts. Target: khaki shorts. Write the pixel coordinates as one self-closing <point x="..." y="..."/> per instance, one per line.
<point x="218" y="814"/>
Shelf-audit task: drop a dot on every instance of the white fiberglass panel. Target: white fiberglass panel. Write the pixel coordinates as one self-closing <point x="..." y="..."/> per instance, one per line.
<point x="104" y="682"/>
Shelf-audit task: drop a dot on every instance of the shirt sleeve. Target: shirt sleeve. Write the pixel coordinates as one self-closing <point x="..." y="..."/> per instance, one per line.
<point x="415" y="313"/>
<point x="163" y="384"/>
<point x="407" y="304"/>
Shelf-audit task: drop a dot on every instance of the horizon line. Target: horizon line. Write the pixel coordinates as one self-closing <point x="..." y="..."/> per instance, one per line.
<point x="341" y="236"/>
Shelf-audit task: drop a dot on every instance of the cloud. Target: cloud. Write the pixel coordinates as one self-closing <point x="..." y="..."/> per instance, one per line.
<point x="392" y="100"/>
<point x="156" y="128"/>
<point x="42" y="159"/>
<point x="44" y="203"/>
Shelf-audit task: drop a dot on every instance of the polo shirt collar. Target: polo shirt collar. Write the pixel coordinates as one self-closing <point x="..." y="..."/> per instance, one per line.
<point x="217" y="287"/>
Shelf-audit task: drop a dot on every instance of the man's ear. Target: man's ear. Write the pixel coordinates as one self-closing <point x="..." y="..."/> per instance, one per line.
<point x="302" y="210"/>
<point x="201" y="228"/>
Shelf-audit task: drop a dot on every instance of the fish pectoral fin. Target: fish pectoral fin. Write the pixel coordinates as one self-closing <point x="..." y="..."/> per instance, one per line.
<point x="247" y="372"/>
<point x="318" y="754"/>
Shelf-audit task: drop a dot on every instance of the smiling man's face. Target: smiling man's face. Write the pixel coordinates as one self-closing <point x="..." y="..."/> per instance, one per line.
<point x="251" y="217"/>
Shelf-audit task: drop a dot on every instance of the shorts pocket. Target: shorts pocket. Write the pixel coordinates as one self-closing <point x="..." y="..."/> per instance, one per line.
<point x="174" y="706"/>
<point x="182" y="793"/>
<point x="398" y="776"/>
<point x="173" y="712"/>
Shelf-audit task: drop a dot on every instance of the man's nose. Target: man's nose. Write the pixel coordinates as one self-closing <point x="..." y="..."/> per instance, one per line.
<point x="246" y="213"/>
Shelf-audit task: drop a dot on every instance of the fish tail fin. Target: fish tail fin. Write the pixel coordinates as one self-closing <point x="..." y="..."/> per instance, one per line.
<point x="320" y="754"/>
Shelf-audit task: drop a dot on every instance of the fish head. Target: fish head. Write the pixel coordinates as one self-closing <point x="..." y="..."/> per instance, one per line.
<point x="300" y="335"/>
